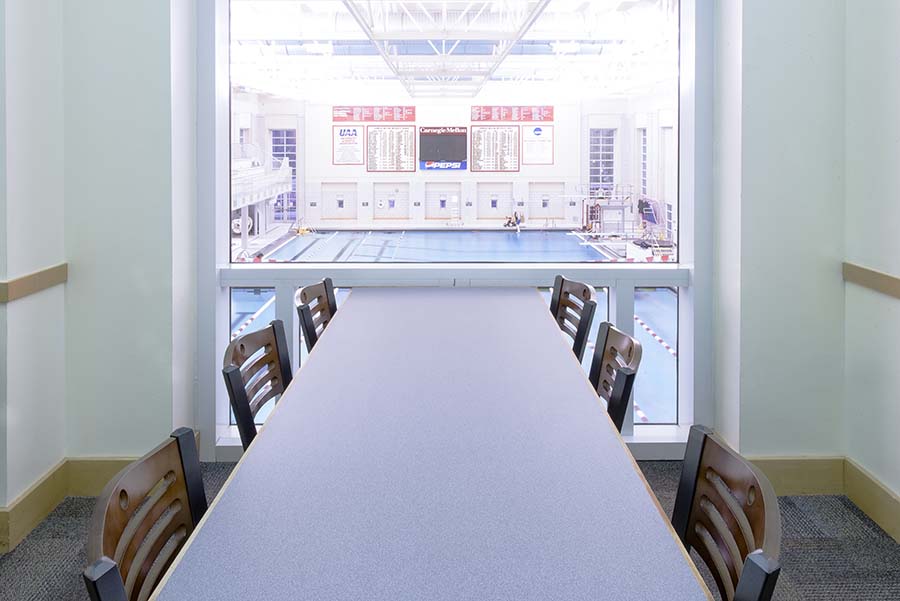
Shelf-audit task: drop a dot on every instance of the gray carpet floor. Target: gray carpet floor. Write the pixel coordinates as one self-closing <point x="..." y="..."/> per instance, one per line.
<point x="830" y="549"/>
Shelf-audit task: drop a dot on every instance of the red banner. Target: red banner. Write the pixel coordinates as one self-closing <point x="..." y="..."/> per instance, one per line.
<point x="512" y="113"/>
<point x="384" y="114"/>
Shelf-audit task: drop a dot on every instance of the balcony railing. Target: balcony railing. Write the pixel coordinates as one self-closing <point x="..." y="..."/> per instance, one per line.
<point x="260" y="183"/>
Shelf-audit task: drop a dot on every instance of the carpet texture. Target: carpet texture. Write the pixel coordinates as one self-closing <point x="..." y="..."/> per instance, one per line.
<point x="830" y="549"/>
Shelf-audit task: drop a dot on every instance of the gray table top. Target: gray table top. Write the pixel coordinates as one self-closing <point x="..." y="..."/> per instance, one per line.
<point x="437" y="444"/>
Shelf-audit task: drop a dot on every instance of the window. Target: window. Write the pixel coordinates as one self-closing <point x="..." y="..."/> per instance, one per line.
<point x="284" y="147"/>
<point x="602" y="155"/>
<point x="579" y="205"/>
<point x="643" y="136"/>
<point x="656" y="328"/>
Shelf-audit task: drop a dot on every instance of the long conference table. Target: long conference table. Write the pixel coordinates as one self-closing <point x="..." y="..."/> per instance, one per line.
<point x="438" y="443"/>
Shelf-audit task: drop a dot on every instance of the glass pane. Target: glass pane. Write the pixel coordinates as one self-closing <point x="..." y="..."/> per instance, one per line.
<point x="295" y="66"/>
<point x="656" y="327"/>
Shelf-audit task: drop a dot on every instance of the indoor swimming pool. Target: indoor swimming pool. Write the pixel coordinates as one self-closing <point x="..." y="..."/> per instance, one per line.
<point x="429" y="246"/>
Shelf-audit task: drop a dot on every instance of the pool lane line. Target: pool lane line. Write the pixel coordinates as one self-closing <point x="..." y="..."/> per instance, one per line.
<point x="341" y="252"/>
<point x="252" y="318"/>
<point x="305" y="248"/>
<point x="656" y="337"/>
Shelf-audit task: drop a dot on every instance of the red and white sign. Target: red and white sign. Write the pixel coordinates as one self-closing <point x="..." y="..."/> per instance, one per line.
<point x="382" y="114"/>
<point x="512" y="113"/>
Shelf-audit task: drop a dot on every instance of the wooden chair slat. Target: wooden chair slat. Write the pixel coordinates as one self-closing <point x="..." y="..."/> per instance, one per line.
<point x="614" y="350"/>
<point x="256" y="368"/>
<point x="142" y="518"/>
<point x="727" y="510"/>
<point x="573" y="304"/>
<point x="316" y="308"/>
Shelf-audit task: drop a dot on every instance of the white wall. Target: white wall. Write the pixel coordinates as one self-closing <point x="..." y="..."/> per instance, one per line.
<point x="313" y="122"/>
<point x="872" y="392"/>
<point x="183" y="22"/>
<point x="119" y="235"/>
<point x="34" y="363"/>
<point x="727" y="151"/>
<point x="780" y="200"/>
<point x="3" y="337"/>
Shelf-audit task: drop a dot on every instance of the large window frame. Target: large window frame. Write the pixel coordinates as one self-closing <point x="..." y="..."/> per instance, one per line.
<point x="692" y="275"/>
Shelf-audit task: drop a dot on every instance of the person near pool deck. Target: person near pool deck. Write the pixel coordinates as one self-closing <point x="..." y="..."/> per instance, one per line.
<point x="518" y="221"/>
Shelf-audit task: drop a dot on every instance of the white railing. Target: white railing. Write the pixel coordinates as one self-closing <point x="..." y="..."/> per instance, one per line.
<point x="620" y="279"/>
<point x="257" y="184"/>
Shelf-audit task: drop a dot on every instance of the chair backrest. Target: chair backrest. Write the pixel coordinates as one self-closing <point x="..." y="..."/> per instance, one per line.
<point x="142" y="518"/>
<point x="257" y="368"/>
<point x="727" y="511"/>
<point x="316" y="307"/>
<point x="573" y="305"/>
<point x="617" y="404"/>
<point x="615" y="349"/>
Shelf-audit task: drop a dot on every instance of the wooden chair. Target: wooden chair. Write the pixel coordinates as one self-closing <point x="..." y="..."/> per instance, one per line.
<point x="316" y="307"/>
<point x="727" y="510"/>
<point x="257" y="368"/>
<point x="614" y="367"/>
<point x="142" y="519"/>
<point x="573" y="305"/>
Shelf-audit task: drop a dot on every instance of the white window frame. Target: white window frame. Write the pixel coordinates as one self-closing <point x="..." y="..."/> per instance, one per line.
<point x="692" y="275"/>
<point x="642" y="142"/>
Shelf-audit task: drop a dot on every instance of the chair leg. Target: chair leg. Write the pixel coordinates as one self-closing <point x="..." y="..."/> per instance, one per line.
<point x="103" y="581"/>
<point x="758" y="578"/>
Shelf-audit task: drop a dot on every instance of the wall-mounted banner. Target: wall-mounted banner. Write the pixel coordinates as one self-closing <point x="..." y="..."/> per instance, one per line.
<point x="537" y="145"/>
<point x="512" y="113"/>
<point x="443" y="148"/>
<point x="347" y="145"/>
<point x="390" y="148"/>
<point x="373" y="113"/>
<point x="495" y="148"/>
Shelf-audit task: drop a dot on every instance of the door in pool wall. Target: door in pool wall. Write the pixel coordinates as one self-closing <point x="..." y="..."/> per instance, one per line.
<point x="495" y="200"/>
<point x="546" y="200"/>
<point x="391" y="200"/>
<point x="443" y="200"/>
<point x="339" y="200"/>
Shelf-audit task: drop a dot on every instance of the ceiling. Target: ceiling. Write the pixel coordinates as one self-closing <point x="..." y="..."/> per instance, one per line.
<point x="450" y="48"/>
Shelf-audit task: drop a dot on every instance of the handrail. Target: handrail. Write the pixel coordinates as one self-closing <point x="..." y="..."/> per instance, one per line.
<point x="872" y="279"/>
<point x="33" y="283"/>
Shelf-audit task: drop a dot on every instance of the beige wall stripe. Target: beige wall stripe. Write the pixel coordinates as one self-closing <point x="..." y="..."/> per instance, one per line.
<point x="33" y="282"/>
<point x="884" y="283"/>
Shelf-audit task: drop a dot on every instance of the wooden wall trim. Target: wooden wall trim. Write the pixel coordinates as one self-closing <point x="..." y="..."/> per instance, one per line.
<point x="834" y="476"/>
<point x="803" y="475"/>
<point x="32" y="283"/>
<point x="872" y="279"/>
<point x="874" y="498"/>
<point x="73" y="477"/>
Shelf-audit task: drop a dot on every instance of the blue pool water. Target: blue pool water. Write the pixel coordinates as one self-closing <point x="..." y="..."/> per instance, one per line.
<point x="436" y="247"/>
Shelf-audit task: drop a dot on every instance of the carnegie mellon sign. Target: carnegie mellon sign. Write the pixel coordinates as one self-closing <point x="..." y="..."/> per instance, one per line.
<point x="443" y="148"/>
